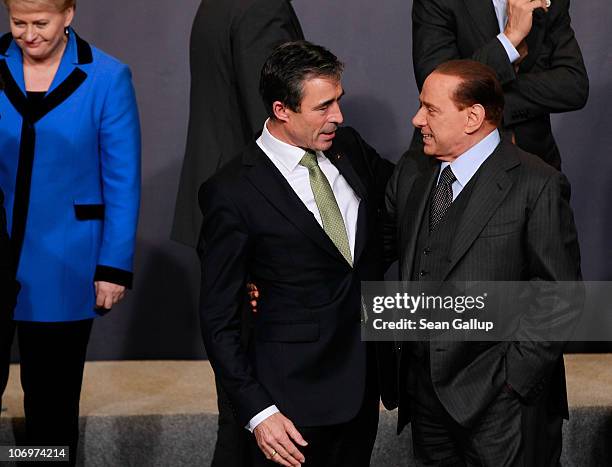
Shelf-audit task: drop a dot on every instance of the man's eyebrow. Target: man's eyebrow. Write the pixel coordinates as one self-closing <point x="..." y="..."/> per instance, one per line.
<point x="329" y="101"/>
<point x="428" y="104"/>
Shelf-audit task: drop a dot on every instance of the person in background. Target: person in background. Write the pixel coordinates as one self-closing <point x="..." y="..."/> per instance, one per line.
<point x="532" y="48"/>
<point x="229" y="43"/>
<point x="70" y="172"/>
<point x="230" y="40"/>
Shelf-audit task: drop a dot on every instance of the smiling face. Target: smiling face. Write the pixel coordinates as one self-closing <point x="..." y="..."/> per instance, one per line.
<point x="445" y="128"/>
<point x="314" y="124"/>
<point x="39" y="32"/>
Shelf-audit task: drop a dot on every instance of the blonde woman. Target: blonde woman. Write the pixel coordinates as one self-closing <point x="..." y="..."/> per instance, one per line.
<point x="70" y="172"/>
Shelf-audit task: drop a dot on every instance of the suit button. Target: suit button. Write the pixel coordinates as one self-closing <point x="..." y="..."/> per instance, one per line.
<point x="423" y="273"/>
<point x="426" y="251"/>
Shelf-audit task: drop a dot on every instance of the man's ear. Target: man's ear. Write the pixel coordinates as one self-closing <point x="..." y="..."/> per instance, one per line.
<point x="281" y="111"/>
<point x="475" y="118"/>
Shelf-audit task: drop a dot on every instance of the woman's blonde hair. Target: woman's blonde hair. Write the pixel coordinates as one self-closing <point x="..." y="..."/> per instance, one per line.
<point x="59" y="5"/>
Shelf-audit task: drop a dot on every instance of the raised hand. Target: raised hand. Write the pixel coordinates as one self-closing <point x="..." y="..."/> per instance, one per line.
<point x="520" y="18"/>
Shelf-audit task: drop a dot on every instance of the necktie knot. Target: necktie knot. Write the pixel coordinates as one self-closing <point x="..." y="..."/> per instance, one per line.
<point x="309" y="160"/>
<point x="447" y="176"/>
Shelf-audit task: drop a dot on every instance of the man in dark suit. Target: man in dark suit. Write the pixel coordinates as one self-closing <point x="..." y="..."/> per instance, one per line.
<point x="531" y="47"/>
<point x="470" y="207"/>
<point x="230" y="41"/>
<point x="298" y="213"/>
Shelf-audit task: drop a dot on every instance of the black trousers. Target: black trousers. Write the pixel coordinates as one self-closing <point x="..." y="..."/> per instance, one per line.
<point x="232" y="446"/>
<point x="7" y="331"/>
<point x="508" y="434"/>
<point x="52" y="358"/>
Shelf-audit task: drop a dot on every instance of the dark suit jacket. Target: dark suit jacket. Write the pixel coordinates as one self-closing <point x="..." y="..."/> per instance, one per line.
<point x="230" y="41"/>
<point x="517" y="226"/>
<point x="551" y="79"/>
<point x="306" y="354"/>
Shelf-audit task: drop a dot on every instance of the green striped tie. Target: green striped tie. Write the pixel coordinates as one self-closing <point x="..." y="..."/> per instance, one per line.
<point x="333" y="224"/>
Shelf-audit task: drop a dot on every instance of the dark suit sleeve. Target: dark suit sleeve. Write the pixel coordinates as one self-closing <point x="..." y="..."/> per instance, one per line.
<point x="434" y="41"/>
<point x="261" y="28"/>
<point x="553" y="256"/>
<point x="380" y="171"/>
<point x="380" y="168"/>
<point x="562" y="87"/>
<point x="224" y="271"/>
<point x="390" y="225"/>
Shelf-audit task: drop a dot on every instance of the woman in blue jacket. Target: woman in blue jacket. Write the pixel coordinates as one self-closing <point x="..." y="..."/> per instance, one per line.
<point x="70" y="172"/>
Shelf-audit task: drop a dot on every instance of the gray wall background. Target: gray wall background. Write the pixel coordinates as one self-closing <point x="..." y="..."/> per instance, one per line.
<point x="158" y="320"/>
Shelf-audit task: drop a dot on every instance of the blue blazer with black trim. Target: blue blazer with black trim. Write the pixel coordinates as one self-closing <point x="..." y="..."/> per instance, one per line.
<point x="70" y="171"/>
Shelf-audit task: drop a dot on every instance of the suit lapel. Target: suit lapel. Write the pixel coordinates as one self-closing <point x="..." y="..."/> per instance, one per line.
<point x="67" y="80"/>
<point x="413" y="205"/>
<point x="492" y="187"/>
<point x="342" y="163"/>
<point x="265" y="178"/>
<point x="14" y="64"/>
<point x="78" y="52"/>
<point x="483" y="13"/>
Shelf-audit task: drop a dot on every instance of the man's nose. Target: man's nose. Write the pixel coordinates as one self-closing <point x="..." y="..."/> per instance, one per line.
<point x="336" y="116"/>
<point x="419" y="118"/>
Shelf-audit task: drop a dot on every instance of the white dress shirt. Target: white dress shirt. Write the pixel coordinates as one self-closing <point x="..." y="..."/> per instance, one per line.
<point x="287" y="158"/>
<point x="501" y="12"/>
<point x="466" y="165"/>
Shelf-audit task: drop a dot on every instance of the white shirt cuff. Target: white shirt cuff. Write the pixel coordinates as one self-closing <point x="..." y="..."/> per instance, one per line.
<point x="512" y="53"/>
<point x="260" y="417"/>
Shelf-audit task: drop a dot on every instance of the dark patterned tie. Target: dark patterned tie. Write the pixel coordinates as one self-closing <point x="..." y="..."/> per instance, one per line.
<point x="442" y="197"/>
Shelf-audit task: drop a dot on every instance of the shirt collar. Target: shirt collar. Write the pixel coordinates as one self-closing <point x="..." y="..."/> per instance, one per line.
<point x="286" y="154"/>
<point x="465" y="166"/>
<point x="500" y="7"/>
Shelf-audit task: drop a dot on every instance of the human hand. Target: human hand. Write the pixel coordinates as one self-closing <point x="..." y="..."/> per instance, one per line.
<point x="275" y="437"/>
<point x="108" y="294"/>
<point x="253" y="293"/>
<point x="520" y="19"/>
